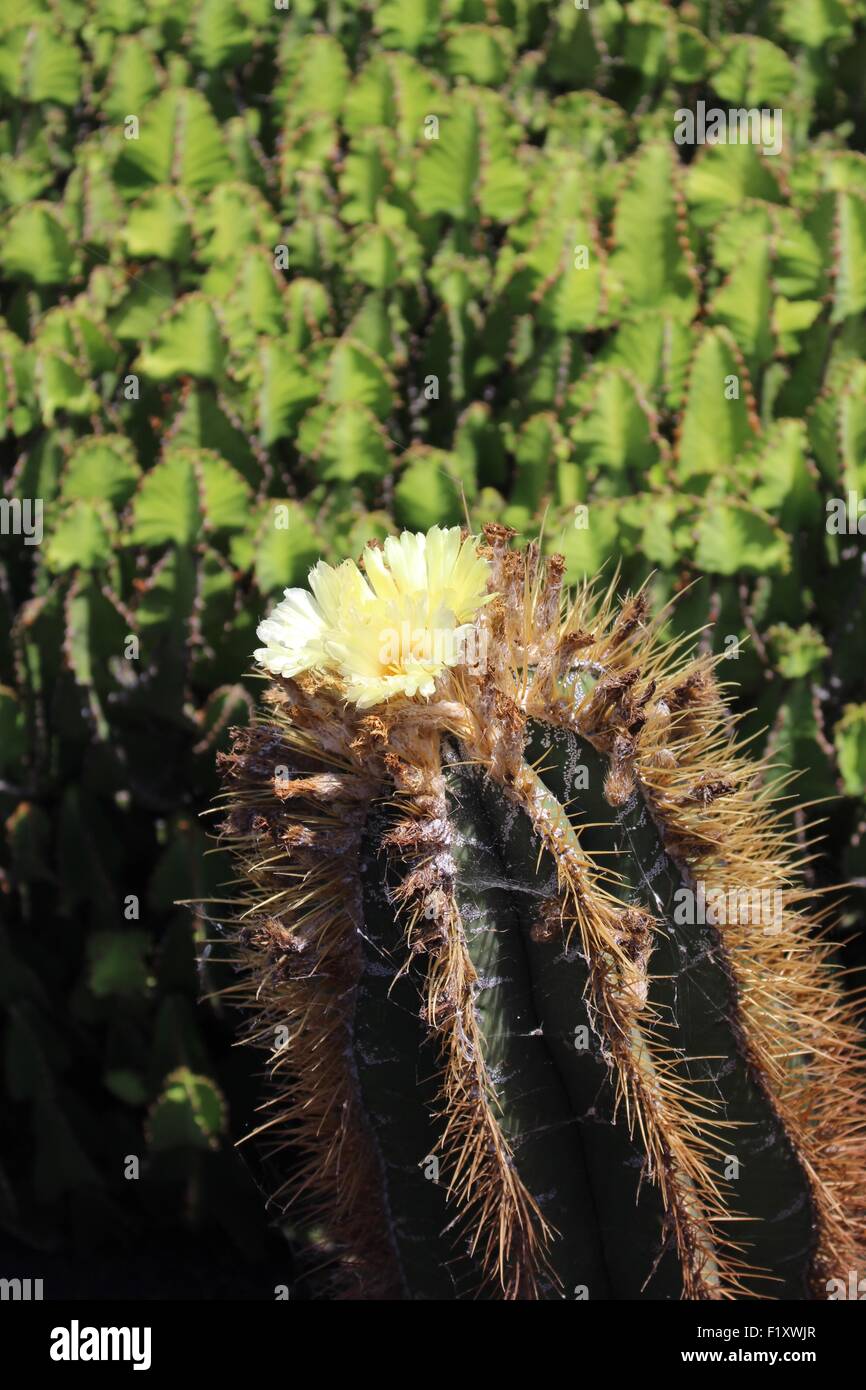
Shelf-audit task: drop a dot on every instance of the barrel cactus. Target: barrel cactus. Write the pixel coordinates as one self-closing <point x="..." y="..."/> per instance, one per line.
<point x="548" y="1009"/>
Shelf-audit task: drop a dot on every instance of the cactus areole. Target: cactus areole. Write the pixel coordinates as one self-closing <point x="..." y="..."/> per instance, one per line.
<point x="549" y="1012"/>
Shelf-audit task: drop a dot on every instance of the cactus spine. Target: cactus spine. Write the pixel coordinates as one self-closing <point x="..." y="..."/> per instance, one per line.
<point x="515" y="1068"/>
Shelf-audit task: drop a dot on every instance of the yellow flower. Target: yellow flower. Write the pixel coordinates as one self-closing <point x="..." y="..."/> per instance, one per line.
<point x="390" y="630"/>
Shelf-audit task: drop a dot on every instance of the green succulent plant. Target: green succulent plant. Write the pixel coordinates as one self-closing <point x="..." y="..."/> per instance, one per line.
<point x="276" y="282"/>
<point x="546" y="1003"/>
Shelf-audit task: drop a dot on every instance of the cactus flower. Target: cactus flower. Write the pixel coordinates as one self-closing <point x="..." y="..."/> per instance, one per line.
<point x="388" y="628"/>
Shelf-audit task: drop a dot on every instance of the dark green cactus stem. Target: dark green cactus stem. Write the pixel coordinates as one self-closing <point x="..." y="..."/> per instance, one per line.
<point x="574" y="1155"/>
<point x="519" y="1069"/>
<point x="689" y="985"/>
<point x="396" y="1069"/>
<point x="616" y="1194"/>
<point x="536" y="1117"/>
<point x="610" y="1224"/>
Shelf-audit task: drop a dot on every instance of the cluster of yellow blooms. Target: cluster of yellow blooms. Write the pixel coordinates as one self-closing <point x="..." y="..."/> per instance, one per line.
<point x="389" y="628"/>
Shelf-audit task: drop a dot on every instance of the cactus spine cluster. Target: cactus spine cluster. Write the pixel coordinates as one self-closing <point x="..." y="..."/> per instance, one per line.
<point x="507" y="1063"/>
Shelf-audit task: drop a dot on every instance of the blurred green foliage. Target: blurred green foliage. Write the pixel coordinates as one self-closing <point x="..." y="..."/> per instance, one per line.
<point x="276" y="281"/>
